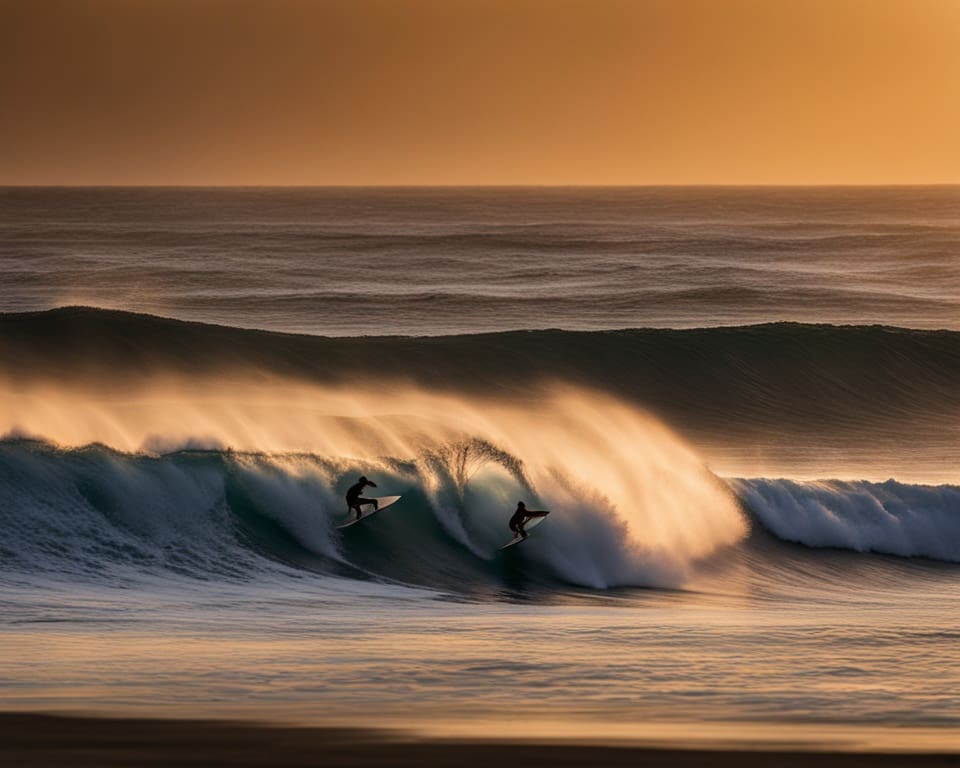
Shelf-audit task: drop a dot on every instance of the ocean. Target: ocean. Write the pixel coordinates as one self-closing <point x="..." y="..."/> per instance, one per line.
<point x="741" y="406"/>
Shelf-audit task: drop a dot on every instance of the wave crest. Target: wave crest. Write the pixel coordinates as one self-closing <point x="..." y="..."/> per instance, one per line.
<point x="632" y="505"/>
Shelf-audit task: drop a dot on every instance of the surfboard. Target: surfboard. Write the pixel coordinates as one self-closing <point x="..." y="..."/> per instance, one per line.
<point x="367" y="510"/>
<point x="532" y="523"/>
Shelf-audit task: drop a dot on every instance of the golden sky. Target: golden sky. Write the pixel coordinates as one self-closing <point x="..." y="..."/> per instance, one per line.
<point x="479" y="91"/>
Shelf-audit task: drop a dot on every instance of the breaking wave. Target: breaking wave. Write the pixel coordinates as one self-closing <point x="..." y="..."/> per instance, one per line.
<point x="890" y="518"/>
<point x="631" y="504"/>
<point x="141" y="446"/>
<point x="97" y="514"/>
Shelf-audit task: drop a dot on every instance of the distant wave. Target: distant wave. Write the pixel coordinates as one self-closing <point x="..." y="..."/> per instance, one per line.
<point x="891" y="518"/>
<point x="739" y="380"/>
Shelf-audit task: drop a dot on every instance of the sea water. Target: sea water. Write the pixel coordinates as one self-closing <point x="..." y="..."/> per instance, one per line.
<point x="754" y="528"/>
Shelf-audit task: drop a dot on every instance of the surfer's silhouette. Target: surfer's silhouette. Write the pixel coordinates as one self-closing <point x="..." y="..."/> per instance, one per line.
<point x="355" y="500"/>
<point x="521" y="516"/>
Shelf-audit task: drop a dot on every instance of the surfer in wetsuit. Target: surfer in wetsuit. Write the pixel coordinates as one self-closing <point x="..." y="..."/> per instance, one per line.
<point x="522" y="515"/>
<point x="354" y="499"/>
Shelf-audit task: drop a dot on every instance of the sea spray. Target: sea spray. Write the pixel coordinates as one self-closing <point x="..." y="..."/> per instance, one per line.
<point x="631" y="503"/>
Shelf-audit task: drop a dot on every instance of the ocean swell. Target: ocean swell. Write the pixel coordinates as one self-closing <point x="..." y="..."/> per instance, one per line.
<point x="769" y="400"/>
<point x="775" y="375"/>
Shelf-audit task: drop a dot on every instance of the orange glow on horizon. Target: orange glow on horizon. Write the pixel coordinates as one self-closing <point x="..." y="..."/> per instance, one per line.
<point x="496" y="92"/>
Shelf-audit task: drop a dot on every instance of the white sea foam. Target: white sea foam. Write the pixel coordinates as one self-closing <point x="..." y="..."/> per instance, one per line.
<point x="890" y="517"/>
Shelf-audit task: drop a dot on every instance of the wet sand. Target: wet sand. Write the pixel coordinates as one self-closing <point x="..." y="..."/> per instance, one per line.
<point x="42" y="741"/>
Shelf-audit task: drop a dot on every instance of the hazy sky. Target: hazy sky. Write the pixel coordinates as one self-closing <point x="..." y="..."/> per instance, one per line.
<point x="479" y="91"/>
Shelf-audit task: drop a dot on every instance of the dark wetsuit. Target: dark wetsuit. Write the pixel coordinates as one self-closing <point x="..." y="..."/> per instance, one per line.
<point x="521" y="516"/>
<point x="516" y="522"/>
<point x="354" y="499"/>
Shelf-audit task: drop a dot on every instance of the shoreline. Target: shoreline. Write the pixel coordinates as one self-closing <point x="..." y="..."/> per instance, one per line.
<point x="32" y="740"/>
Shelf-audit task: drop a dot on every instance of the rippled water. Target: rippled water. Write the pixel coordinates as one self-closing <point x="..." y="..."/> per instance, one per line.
<point x="439" y="261"/>
<point x="680" y="667"/>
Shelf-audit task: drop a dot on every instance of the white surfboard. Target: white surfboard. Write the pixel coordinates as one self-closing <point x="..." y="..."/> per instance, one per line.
<point x="367" y="510"/>
<point x="532" y="523"/>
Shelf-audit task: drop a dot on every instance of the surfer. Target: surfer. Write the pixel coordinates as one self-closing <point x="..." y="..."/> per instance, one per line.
<point x="355" y="500"/>
<point x="522" y="515"/>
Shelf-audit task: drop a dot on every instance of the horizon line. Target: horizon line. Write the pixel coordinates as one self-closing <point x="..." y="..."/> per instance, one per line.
<point x="489" y="186"/>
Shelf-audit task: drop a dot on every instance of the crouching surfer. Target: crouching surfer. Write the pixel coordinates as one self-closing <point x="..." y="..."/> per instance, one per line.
<point x="355" y="500"/>
<point x="521" y="516"/>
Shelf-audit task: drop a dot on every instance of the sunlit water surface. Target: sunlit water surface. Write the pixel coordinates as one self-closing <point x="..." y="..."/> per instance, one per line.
<point x="741" y="666"/>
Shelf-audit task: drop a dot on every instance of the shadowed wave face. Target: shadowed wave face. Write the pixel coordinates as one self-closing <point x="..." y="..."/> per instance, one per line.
<point x="138" y="445"/>
<point x="100" y="515"/>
